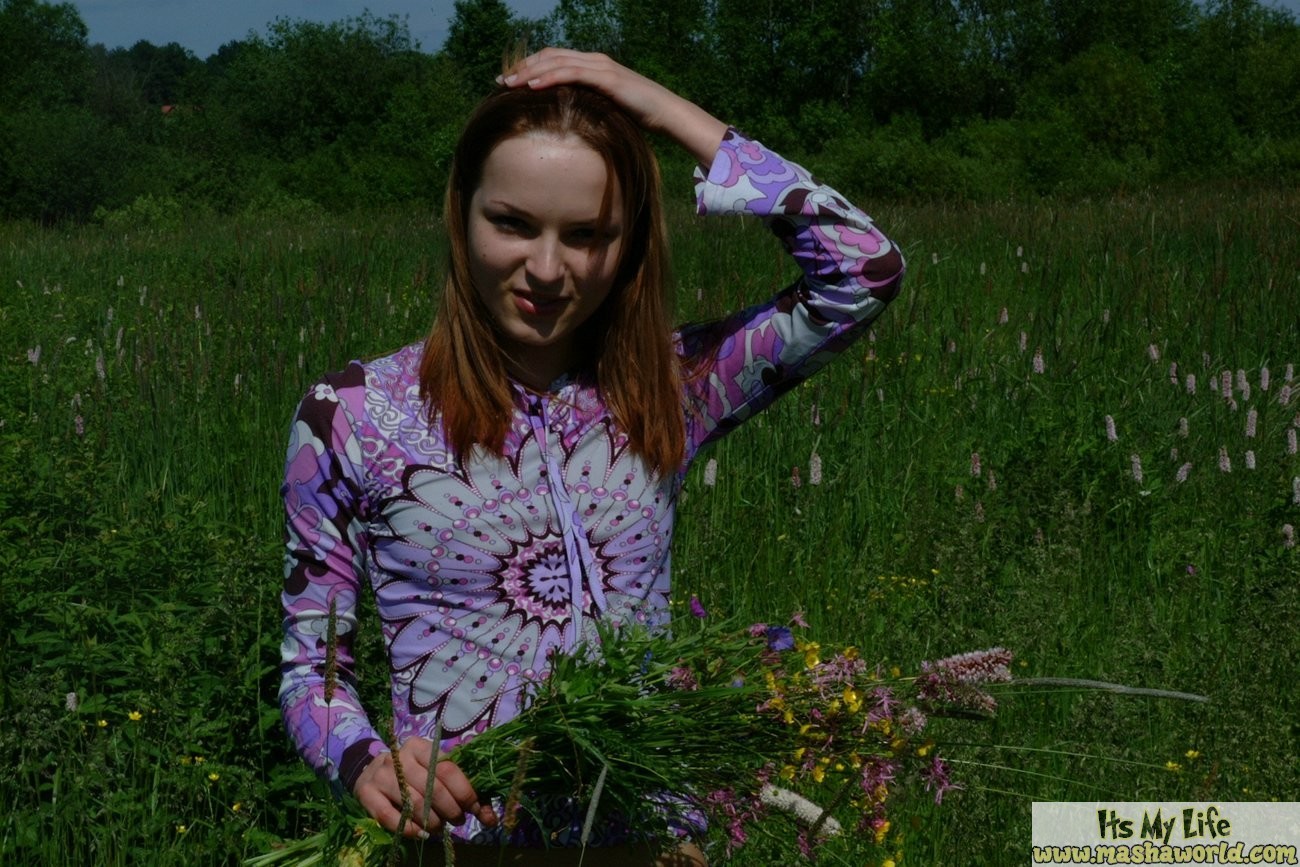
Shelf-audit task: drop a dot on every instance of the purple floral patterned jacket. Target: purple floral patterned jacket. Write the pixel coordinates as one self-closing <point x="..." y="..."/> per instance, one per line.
<point x="481" y="569"/>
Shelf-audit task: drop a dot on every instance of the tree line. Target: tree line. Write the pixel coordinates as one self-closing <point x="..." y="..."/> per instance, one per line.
<point x="929" y="98"/>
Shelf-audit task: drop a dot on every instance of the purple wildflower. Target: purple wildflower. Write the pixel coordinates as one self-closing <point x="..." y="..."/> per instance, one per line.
<point x="1135" y="463"/>
<point x="795" y="480"/>
<point x="1183" y="472"/>
<point x="1290" y="441"/>
<point x="697" y="608"/>
<point x="1039" y="367"/>
<point x="1243" y="384"/>
<point x="682" y="678"/>
<point x="779" y="638"/>
<point x="1191" y="383"/>
<point x="798" y="620"/>
<point x="1252" y="418"/>
<point x="877" y="773"/>
<point x="1225" y="462"/>
<point x="1225" y="385"/>
<point x="757" y="629"/>
<point x="975" y="464"/>
<point x="1173" y="373"/>
<point x="1112" y="435"/>
<point x="937" y="780"/>
<point x="1263" y="379"/>
<point x="912" y="721"/>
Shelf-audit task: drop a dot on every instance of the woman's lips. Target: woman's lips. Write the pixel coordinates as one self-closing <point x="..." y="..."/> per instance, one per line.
<point x="538" y="305"/>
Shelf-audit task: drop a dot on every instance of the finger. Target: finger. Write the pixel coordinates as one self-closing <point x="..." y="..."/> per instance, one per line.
<point x="387" y="813"/>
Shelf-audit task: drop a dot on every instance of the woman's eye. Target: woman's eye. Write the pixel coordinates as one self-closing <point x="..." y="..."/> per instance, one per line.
<point x="507" y="223"/>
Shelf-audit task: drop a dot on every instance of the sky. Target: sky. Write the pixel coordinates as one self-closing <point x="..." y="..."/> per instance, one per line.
<point x="203" y="26"/>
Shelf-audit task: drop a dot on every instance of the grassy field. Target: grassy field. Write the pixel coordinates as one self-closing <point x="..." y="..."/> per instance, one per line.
<point x="1073" y="435"/>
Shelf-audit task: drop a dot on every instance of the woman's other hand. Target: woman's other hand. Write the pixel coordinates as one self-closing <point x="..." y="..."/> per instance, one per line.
<point x="454" y="797"/>
<point x="653" y="106"/>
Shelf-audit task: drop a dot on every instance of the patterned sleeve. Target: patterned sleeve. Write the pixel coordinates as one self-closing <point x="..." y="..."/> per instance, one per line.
<point x="324" y="499"/>
<point x="850" y="272"/>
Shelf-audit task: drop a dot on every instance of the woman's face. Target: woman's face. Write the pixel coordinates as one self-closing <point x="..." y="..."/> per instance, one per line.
<point x="537" y="255"/>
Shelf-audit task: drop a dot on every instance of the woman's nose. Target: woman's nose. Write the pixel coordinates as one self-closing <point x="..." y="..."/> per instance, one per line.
<point x="546" y="261"/>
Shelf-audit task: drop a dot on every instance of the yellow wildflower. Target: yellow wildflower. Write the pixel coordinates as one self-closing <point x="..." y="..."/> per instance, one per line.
<point x="882" y="831"/>
<point x="181" y="829"/>
<point x="134" y="716"/>
<point x="923" y="750"/>
<point x="851" y="652"/>
<point x="214" y="776"/>
<point x="819" y="773"/>
<point x="895" y="671"/>
<point x="198" y="760"/>
<point x="788" y="716"/>
<point x="102" y="723"/>
<point x="1193" y="754"/>
<point x="852" y="700"/>
<point x="236" y="807"/>
<point x="787" y="772"/>
<point x="1173" y="767"/>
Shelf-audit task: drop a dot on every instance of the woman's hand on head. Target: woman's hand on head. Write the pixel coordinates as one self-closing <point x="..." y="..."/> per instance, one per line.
<point x="653" y="106"/>
<point x="453" y="800"/>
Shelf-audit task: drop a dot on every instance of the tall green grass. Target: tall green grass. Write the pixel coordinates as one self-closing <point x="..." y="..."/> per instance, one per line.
<point x="139" y="547"/>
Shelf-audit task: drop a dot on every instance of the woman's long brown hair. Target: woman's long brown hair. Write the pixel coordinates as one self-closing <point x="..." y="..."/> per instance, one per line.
<point x="463" y="376"/>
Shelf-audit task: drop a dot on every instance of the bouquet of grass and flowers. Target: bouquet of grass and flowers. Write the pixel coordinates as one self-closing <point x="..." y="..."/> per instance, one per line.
<point x="711" y="726"/>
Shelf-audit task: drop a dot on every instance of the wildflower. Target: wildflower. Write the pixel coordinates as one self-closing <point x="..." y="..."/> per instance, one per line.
<point x="1135" y="463"/>
<point x="682" y="678"/>
<point x="1038" y="360"/>
<point x="975" y="464"/>
<point x="134" y="716"/>
<point x="236" y="807"/>
<point x="993" y="481"/>
<point x="1225" y="385"/>
<point x="1183" y="472"/>
<point x="1191" y="383"/>
<point x="198" y="760"/>
<point x="1024" y="341"/>
<point x="795" y="481"/>
<point x="102" y="723"/>
<point x="1024" y="267"/>
<point x="71" y="702"/>
<point x="1263" y="379"/>
<point x="779" y="638"/>
<point x="697" y="608"/>
<point x="959" y="493"/>
<point x="1193" y="755"/>
<point x="99" y="367"/>
<point x="1173" y="373"/>
<point x="1105" y="316"/>
<point x="1288" y="536"/>
<point x="1003" y="316"/>
<point x="1290" y="441"/>
<point x="816" y="416"/>
<point x="934" y="258"/>
<point x="1111" y="434"/>
<point x="1191" y="570"/>
<point x="1020" y="251"/>
<point x="1225" y="463"/>
<point x="979" y="512"/>
<point x="936" y="779"/>
<point x="1290" y="372"/>
<point x="815" y="469"/>
<point x="1243" y="384"/>
<point x="1250" y="459"/>
<point x="1252" y="418"/>
<point x="1153" y="352"/>
<point x="798" y="620"/>
<point x="34" y="355"/>
<point x="1295" y="491"/>
<point x="711" y="473"/>
<point x="181" y="829"/>
<point x="811" y="651"/>
<point x="1182" y="427"/>
<point x="1205" y="360"/>
<point x="1284" y="395"/>
<point x="79" y="424"/>
<point x="1173" y="767"/>
<point x="213" y="777"/>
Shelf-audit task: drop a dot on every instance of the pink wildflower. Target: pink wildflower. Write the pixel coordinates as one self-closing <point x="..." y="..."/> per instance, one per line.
<point x="959" y="493"/>
<point x="979" y="512"/>
<point x="1295" y="491"/>
<point x="1183" y="472"/>
<point x="1243" y="384"/>
<point x="815" y="469"/>
<point x="34" y="355"/>
<point x="1284" y="395"/>
<point x="1003" y="316"/>
<point x="1250" y="459"/>
<point x="975" y="464"/>
<point x="1288" y="536"/>
<point x="1263" y="379"/>
<point x="1225" y="462"/>
<point x="1251" y="418"/>
<point x="1135" y="463"/>
<point x="937" y="780"/>
<point x="1182" y="427"/>
<point x="1290" y="441"/>
<point x="1024" y="341"/>
<point x="1111" y="435"/>
<point x="682" y="678"/>
<point x="1038" y="360"/>
<point x="1191" y="383"/>
<point x="1173" y="373"/>
<point x="80" y="425"/>
<point x="697" y="607"/>
<point x="798" y="620"/>
<point x="993" y="481"/>
<point x="1225" y="385"/>
<point x="795" y="480"/>
<point x="1153" y="352"/>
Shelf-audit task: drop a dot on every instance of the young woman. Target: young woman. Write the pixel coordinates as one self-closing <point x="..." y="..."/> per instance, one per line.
<point x="512" y="479"/>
